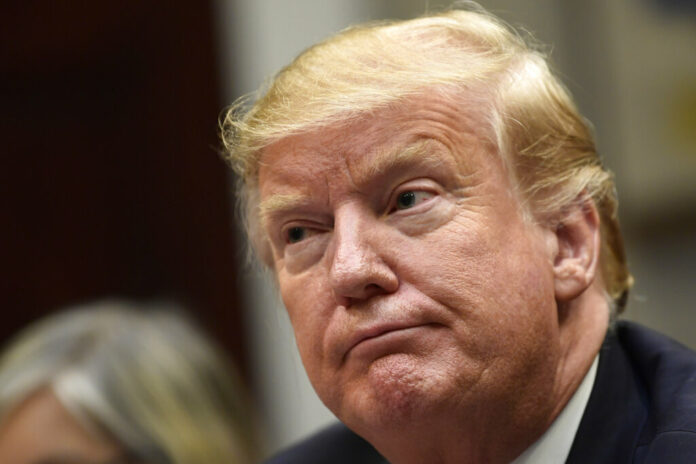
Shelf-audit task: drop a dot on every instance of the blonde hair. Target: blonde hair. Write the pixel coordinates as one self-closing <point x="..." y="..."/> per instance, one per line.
<point x="468" y="56"/>
<point x="144" y="376"/>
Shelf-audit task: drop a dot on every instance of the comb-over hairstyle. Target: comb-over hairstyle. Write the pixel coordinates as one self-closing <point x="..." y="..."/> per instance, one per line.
<point x="468" y="56"/>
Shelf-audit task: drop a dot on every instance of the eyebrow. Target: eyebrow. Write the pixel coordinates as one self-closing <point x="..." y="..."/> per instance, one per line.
<point x="382" y="162"/>
<point x="278" y="203"/>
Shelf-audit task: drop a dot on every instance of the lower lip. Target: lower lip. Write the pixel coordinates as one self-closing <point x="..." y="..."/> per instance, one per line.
<point x="395" y="341"/>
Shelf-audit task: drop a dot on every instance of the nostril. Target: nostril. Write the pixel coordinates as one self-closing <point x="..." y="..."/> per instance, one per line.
<point x="371" y="289"/>
<point x="368" y="291"/>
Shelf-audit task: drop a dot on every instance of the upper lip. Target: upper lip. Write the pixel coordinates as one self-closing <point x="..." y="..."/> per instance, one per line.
<point x="373" y="331"/>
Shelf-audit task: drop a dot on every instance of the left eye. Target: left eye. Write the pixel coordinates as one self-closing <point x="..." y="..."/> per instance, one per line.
<point x="410" y="198"/>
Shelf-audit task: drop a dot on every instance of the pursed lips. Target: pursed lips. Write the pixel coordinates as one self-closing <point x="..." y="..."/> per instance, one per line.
<point x="375" y="331"/>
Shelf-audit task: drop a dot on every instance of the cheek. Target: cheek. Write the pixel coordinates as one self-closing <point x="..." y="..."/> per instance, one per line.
<point x="453" y="261"/>
<point x="481" y="275"/>
<point x="309" y="305"/>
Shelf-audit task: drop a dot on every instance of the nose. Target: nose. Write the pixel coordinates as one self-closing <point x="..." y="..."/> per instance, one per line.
<point x="357" y="268"/>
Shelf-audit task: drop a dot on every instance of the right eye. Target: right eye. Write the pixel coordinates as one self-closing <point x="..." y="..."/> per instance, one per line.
<point x="295" y="234"/>
<point x="299" y="233"/>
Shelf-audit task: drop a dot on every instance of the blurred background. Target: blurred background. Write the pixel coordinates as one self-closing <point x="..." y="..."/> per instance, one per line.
<point x="110" y="182"/>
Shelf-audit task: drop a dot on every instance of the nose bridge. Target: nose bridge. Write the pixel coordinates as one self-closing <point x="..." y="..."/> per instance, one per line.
<point x="352" y="246"/>
<point x="358" y="269"/>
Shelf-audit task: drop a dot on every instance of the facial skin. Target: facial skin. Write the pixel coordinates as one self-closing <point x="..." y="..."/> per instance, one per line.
<point x="425" y="306"/>
<point x="41" y="431"/>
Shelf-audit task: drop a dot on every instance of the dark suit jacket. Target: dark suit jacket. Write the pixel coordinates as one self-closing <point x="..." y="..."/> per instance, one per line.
<point x="642" y="410"/>
<point x="643" y="405"/>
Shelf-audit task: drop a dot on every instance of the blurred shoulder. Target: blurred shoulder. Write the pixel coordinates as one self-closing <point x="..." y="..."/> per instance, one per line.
<point x="335" y="444"/>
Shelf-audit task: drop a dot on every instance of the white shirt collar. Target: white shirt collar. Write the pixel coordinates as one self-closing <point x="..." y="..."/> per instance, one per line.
<point x="554" y="445"/>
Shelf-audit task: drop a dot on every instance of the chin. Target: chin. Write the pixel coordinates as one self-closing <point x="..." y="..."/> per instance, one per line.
<point x="398" y="389"/>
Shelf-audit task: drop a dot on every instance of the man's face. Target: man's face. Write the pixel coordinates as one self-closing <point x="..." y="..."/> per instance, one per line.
<point x="413" y="282"/>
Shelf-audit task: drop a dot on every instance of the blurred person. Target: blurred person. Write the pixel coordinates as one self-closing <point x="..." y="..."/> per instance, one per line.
<point x="117" y="383"/>
<point x="445" y="240"/>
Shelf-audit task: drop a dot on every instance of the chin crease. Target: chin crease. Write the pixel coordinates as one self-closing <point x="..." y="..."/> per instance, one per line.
<point x="399" y="388"/>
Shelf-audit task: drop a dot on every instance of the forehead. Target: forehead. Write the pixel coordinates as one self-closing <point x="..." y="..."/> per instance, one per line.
<point x="369" y="145"/>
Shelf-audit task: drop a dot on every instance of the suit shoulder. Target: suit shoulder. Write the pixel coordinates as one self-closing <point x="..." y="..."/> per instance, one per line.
<point x="335" y="444"/>
<point x="668" y="371"/>
<point x="674" y="447"/>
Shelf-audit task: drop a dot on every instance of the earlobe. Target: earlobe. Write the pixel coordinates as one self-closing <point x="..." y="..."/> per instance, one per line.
<point x="577" y="252"/>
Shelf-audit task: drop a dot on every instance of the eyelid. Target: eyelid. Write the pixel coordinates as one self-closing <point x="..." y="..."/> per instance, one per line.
<point x="310" y="229"/>
<point x="419" y="185"/>
<point x="278" y="224"/>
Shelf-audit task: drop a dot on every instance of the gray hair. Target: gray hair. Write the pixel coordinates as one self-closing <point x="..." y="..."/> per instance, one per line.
<point x="146" y="376"/>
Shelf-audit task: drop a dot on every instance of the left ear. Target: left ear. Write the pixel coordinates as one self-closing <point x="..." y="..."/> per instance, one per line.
<point x="577" y="253"/>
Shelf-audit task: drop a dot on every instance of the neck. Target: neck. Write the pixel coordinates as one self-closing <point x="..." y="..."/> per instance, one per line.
<point x="583" y="326"/>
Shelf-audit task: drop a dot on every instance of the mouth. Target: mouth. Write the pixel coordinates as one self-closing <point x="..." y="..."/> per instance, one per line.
<point x="376" y="333"/>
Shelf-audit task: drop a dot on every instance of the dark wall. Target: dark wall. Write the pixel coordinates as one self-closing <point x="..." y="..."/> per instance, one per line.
<point x="110" y="184"/>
